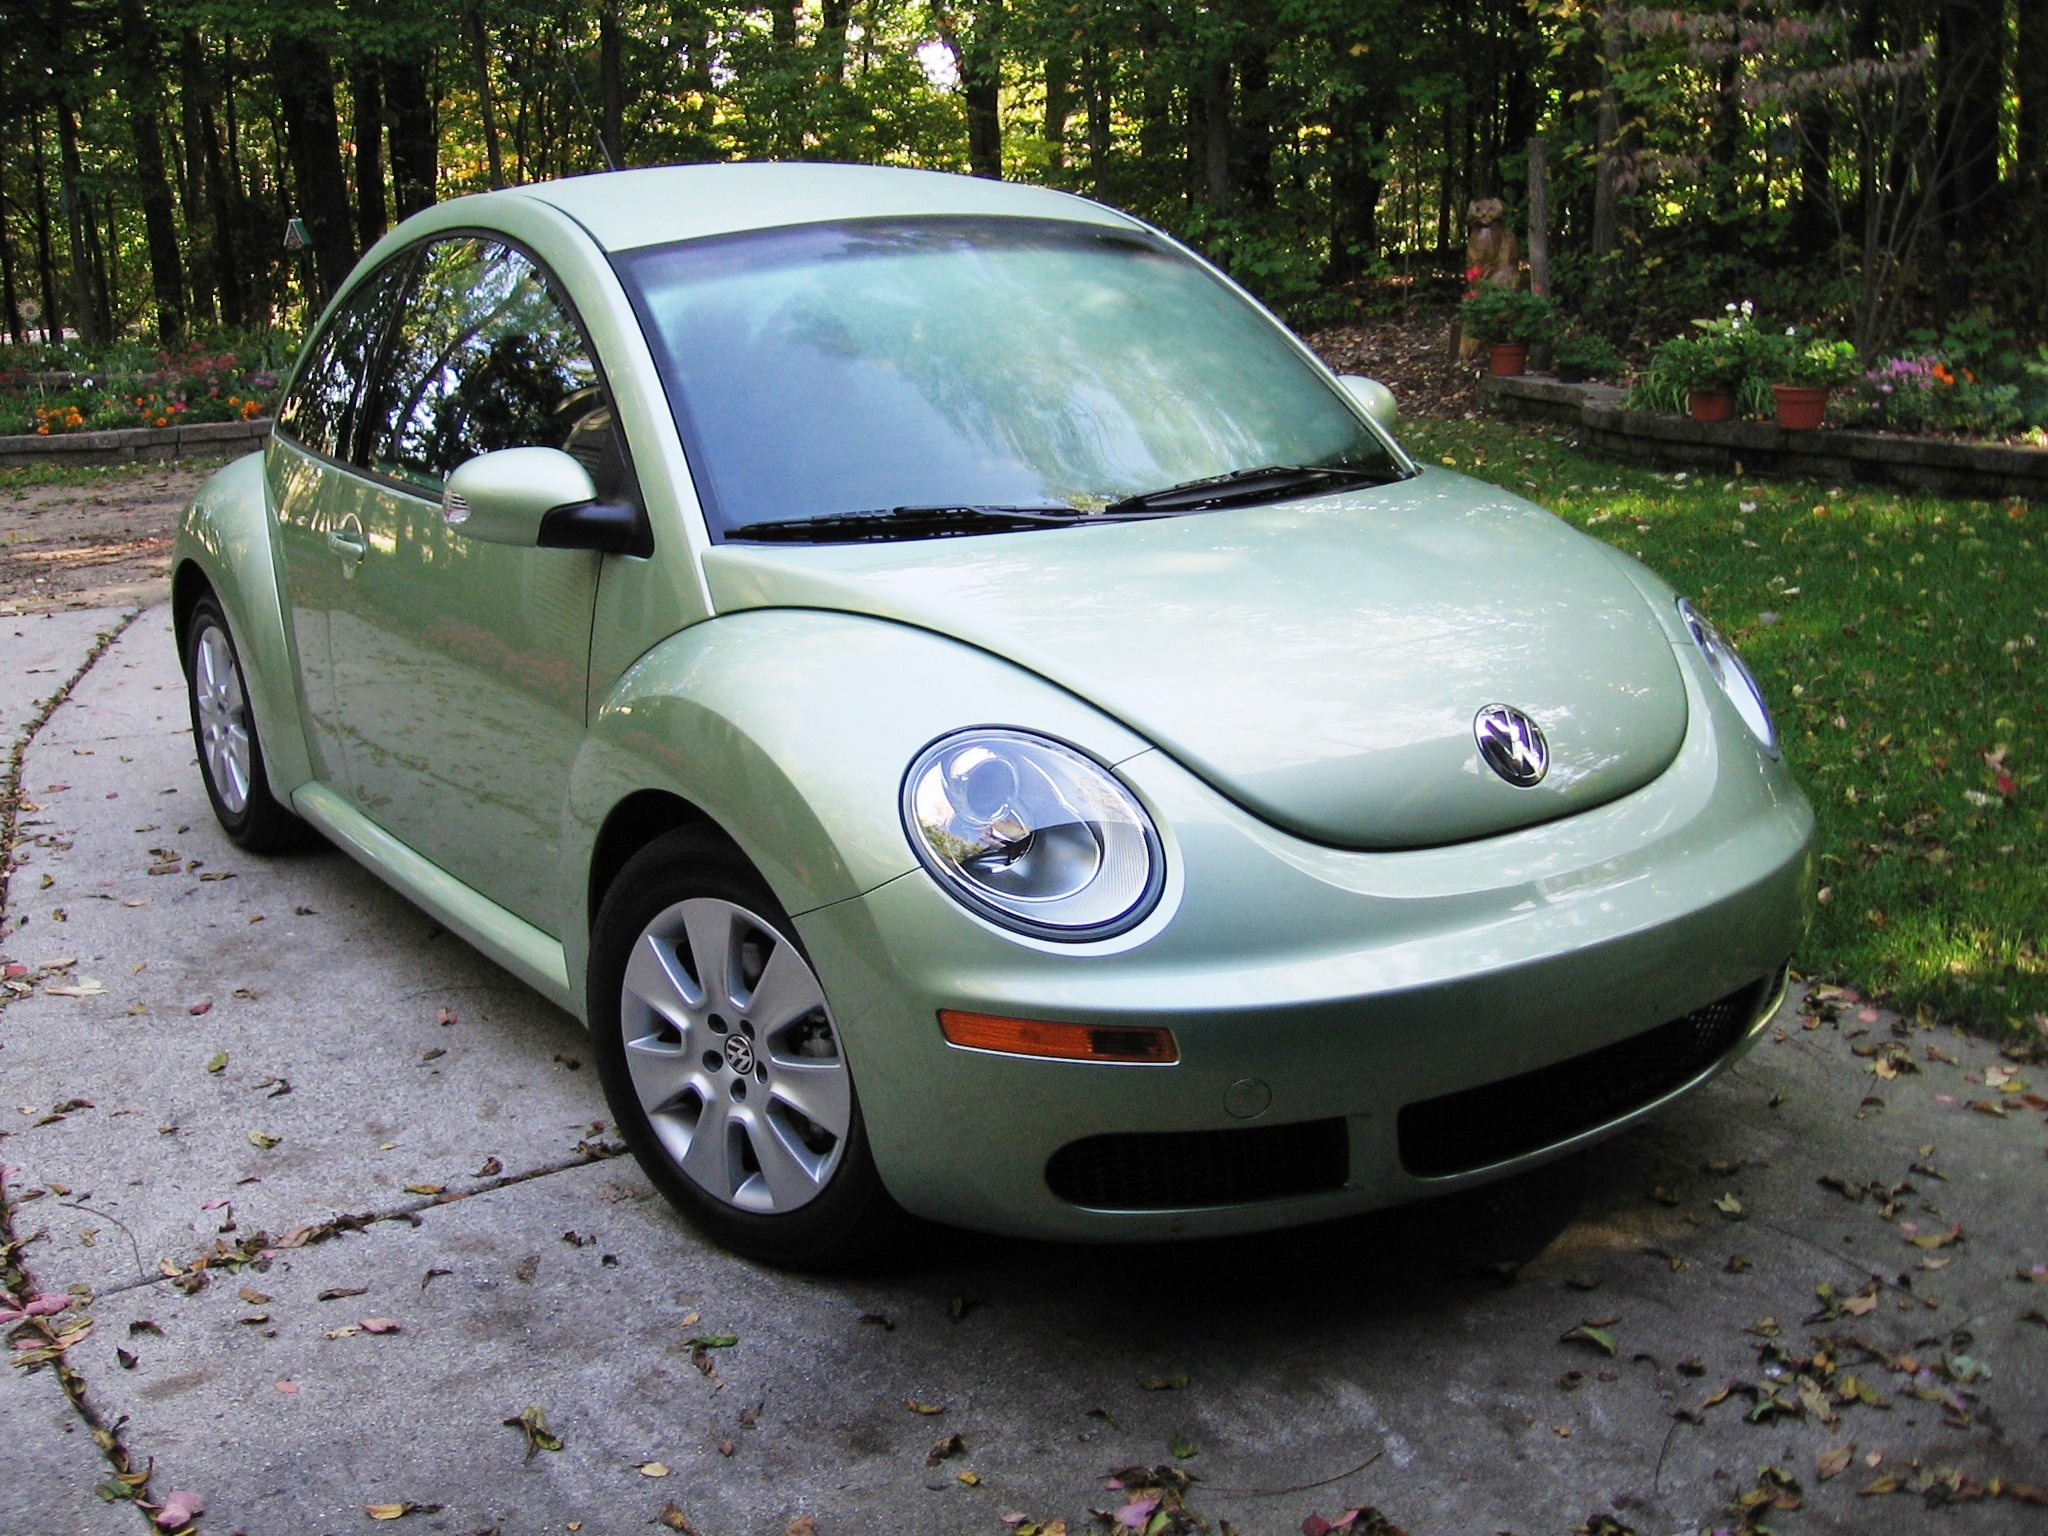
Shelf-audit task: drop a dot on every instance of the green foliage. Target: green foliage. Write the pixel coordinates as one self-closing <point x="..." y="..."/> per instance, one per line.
<point x="1589" y="355"/>
<point x="1494" y="312"/>
<point x="1809" y="361"/>
<point x="1899" y="641"/>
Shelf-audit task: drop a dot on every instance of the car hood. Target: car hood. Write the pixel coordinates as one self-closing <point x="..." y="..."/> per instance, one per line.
<point x="1320" y="662"/>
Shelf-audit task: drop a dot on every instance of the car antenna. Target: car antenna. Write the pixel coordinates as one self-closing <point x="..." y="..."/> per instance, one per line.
<point x="604" y="148"/>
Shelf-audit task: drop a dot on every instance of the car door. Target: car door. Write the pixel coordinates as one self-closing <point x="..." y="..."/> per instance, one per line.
<point x="460" y="666"/>
<point x="312" y="492"/>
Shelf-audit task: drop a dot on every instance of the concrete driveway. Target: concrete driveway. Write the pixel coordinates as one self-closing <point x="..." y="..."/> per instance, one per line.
<point x="338" y="1199"/>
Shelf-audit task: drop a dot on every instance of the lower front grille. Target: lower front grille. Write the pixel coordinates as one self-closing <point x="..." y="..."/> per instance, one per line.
<point x="1478" y="1127"/>
<point x="1174" y="1170"/>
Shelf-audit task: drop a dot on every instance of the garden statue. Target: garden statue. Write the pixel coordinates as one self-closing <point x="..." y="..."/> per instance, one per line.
<point x="1491" y="255"/>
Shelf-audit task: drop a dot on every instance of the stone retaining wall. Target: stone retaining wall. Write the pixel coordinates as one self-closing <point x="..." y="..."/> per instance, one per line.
<point x="202" y="439"/>
<point x="1937" y="465"/>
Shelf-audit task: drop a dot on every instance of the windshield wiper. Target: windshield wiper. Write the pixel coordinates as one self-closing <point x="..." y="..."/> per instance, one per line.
<point x="1269" y="482"/>
<point x="910" y="523"/>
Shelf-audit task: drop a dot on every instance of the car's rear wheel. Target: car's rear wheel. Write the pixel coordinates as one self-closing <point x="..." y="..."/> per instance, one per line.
<point x="224" y="734"/>
<point x="723" y="1066"/>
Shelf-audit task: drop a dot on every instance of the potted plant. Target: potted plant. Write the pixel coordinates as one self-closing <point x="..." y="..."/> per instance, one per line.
<point x="1804" y="368"/>
<point x="1507" y="320"/>
<point x="1582" y="355"/>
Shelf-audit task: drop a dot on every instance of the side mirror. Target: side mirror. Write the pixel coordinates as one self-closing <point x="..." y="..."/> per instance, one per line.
<point x="538" y="498"/>
<point x="1376" y="399"/>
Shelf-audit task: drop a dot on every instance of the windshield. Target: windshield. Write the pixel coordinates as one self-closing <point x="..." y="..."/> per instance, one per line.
<point x="831" y="369"/>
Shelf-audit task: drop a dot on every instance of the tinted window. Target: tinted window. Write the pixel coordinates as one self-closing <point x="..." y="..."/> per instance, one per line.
<point x="841" y="368"/>
<point x="317" y="408"/>
<point x="484" y="356"/>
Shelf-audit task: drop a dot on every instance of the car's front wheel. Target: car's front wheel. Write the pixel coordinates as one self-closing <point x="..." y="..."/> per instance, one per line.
<point x="224" y="733"/>
<point x="722" y="1064"/>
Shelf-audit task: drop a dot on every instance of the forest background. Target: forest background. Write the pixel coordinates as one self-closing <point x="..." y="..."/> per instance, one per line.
<point x="1871" y="167"/>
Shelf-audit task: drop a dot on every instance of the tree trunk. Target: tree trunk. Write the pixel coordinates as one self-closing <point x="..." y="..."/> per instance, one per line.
<point x="1970" y="80"/>
<point x="1253" y="134"/>
<point x="480" y="60"/>
<point x="223" y="191"/>
<point x="1214" y="102"/>
<point x="202" y="265"/>
<point x="1096" y="76"/>
<point x="414" y="151"/>
<point x="1607" y="140"/>
<point x="832" y="19"/>
<point x="8" y="295"/>
<point x="142" y="69"/>
<point x="366" y="84"/>
<point x="2030" y="76"/>
<point x="82" y="229"/>
<point x="978" y="57"/>
<point x="1358" y="125"/>
<point x="1539" y="215"/>
<point x="611" y="81"/>
<point x="1059" y="82"/>
<point x="304" y="76"/>
<point x="46" y="261"/>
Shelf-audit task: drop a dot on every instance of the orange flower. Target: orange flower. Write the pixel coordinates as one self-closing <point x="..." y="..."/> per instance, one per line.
<point x="1941" y="372"/>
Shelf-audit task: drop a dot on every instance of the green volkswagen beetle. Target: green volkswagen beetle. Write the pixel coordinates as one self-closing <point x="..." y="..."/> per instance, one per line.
<point x="978" y="721"/>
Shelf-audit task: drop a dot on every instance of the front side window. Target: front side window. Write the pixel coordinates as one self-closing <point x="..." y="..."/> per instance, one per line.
<point x="319" y="408"/>
<point x="837" y="369"/>
<point x="484" y="356"/>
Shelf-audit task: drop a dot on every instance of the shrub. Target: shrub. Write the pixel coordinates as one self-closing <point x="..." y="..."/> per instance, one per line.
<point x="1494" y="313"/>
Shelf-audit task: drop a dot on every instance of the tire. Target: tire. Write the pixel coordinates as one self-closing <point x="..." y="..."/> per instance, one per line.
<point x="722" y="1065"/>
<point x="225" y="738"/>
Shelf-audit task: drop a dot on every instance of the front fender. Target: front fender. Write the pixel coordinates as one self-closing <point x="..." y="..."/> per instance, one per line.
<point x="792" y="729"/>
<point x="225" y="537"/>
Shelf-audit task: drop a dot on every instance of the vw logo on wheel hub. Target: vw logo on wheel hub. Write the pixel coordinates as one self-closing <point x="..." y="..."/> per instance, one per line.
<point x="739" y="1054"/>
<point x="1512" y="744"/>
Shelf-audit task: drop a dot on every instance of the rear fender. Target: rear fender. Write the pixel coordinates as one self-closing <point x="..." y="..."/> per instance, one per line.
<point x="223" y="542"/>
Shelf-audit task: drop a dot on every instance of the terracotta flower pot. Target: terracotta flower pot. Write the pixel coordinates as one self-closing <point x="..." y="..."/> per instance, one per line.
<point x="1800" y="406"/>
<point x="1710" y="404"/>
<point x="1507" y="358"/>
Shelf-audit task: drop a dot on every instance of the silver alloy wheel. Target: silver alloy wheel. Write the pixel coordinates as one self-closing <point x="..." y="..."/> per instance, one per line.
<point x="223" y="711"/>
<point x="733" y="1056"/>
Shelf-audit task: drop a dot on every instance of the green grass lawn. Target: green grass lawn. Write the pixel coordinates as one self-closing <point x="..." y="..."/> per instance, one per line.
<point x="1900" y="640"/>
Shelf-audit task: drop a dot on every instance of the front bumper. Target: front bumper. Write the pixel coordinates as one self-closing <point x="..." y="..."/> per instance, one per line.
<point x="1308" y="985"/>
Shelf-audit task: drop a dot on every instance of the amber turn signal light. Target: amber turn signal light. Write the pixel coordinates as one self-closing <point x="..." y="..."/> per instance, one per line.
<point x="1066" y="1042"/>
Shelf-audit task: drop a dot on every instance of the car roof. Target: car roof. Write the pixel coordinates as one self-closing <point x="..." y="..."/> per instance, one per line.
<point x="625" y="209"/>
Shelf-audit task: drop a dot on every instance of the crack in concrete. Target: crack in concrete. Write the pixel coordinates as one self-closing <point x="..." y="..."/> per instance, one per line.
<point x="260" y="1244"/>
<point x="16" y="1279"/>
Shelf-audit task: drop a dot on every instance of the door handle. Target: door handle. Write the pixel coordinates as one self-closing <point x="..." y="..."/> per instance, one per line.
<point x="347" y="543"/>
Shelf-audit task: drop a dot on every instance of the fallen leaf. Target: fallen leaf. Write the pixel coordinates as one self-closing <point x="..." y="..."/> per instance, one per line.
<point x="651" y="1469"/>
<point x="971" y="1479"/>
<point x="711" y="1341"/>
<point x="442" y="1016"/>
<point x="925" y="1408"/>
<point x="952" y="1445"/>
<point x="263" y="1140"/>
<point x="532" y="1423"/>
<point x="1730" y="1207"/>
<point x="380" y="1325"/>
<point x="342" y="1292"/>
<point x="802" y="1525"/>
<point x="179" y="1509"/>
<point x="200" y="1009"/>
<point x="426" y="1189"/>
<point x="1162" y="1383"/>
<point x="490" y="1170"/>
<point x="251" y="1295"/>
<point x="673" y="1517"/>
<point x="217" y="1063"/>
<point x="1588" y="1333"/>
<point x="399" y="1510"/>
<point x="1946" y="1239"/>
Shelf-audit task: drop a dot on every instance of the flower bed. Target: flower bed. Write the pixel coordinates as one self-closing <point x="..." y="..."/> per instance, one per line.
<point x="128" y="388"/>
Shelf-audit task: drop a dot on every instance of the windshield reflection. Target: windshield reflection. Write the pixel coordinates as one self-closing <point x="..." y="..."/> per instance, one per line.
<point x="831" y="368"/>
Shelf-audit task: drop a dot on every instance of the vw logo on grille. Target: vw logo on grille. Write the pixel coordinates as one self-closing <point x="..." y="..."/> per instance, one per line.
<point x="739" y="1054"/>
<point x="1512" y="744"/>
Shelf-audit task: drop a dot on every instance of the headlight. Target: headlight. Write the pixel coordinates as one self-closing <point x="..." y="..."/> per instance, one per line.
<point x="1732" y="675"/>
<point x="1032" y="834"/>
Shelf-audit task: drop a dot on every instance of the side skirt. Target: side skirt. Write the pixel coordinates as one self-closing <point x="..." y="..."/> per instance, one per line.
<point x="521" y="948"/>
